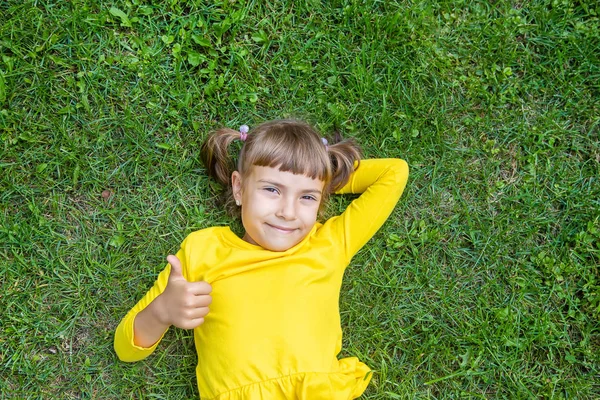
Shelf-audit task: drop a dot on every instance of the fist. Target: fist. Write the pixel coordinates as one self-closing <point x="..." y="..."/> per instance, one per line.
<point x="184" y="304"/>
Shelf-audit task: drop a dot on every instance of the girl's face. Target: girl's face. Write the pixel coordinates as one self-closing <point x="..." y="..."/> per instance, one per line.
<point x="278" y="208"/>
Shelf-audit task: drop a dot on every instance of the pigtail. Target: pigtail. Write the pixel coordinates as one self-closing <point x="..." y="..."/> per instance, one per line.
<point x="216" y="157"/>
<point x="344" y="153"/>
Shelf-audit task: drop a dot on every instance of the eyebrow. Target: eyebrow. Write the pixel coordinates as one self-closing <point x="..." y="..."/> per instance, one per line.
<point x="285" y="187"/>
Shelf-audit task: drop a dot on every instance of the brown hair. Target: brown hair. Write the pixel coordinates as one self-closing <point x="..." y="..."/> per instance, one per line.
<point x="290" y="145"/>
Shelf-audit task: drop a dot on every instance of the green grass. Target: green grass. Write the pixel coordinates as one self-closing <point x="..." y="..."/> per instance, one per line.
<point x="484" y="283"/>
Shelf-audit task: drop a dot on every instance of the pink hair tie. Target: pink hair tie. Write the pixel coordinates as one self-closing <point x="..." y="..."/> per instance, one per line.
<point x="326" y="143"/>
<point x="244" y="132"/>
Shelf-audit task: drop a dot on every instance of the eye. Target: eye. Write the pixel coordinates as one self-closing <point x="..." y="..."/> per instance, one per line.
<point x="271" y="189"/>
<point x="309" y="197"/>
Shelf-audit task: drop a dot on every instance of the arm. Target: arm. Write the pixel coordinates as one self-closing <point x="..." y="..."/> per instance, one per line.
<point x="381" y="182"/>
<point x="148" y="326"/>
<point x="124" y="343"/>
<point x="174" y="302"/>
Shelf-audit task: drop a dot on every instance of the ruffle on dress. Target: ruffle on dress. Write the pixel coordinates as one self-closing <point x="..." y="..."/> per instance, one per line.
<point x="348" y="383"/>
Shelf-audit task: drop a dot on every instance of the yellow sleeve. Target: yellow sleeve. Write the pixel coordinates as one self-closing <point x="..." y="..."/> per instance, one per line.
<point x="124" y="345"/>
<point x="381" y="182"/>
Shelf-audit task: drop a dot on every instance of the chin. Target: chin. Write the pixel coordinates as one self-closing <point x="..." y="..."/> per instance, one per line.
<point x="281" y="247"/>
<point x="275" y="246"/>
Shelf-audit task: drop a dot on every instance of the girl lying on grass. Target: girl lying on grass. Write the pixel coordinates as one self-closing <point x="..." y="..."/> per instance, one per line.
<point x="273" y="330"/>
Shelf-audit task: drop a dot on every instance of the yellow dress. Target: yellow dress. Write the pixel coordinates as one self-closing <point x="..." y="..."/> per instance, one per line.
<point x="273" y="331"/>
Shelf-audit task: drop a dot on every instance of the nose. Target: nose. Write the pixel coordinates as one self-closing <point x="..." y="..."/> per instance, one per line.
<point x="287" y="210"/>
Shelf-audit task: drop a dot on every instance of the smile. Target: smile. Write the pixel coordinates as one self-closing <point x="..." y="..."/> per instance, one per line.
<point x="281" y="229"/>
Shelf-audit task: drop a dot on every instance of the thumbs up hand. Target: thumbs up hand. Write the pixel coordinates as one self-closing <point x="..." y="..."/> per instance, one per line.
<point x="183" y="304"/>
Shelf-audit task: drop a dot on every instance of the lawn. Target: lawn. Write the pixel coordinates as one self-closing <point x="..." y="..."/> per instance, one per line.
<point x="484" y="282"/>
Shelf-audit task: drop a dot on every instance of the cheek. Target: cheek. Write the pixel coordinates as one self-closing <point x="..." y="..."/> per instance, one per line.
<point x="253" y="208"/>
<point x="309" y="215"/>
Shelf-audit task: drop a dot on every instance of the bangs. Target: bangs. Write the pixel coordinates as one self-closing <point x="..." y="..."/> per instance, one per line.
<point x="294" y="148"/>
<point x="296" y="161"/>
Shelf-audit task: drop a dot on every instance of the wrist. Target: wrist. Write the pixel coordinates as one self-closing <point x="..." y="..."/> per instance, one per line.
<point x="149" y="325"/>
<point x="159" y="311"/>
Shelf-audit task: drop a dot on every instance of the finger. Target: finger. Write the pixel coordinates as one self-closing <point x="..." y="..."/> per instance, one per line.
<point x="200" y="288"/>
<point x="192" y="302"/>
<point x="176" y="271"/>
<point x="192" y="324"/>
<point x="196" y="313"/>
<point x="204" y="300"/>
<point x="192" y="318"/>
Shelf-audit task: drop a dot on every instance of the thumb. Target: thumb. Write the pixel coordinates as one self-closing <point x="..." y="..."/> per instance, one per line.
<point x="176" y="271"/>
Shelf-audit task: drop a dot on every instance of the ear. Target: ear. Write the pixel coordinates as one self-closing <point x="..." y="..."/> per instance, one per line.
<point x="236" y="185"/>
